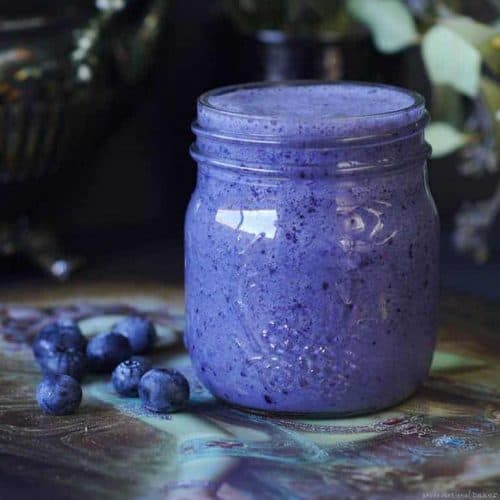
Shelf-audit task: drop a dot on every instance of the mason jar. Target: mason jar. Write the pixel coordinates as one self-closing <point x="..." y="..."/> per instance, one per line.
<point x="311" y="247"/>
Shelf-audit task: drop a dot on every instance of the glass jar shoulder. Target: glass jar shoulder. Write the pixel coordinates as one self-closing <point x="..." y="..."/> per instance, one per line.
<point x="373" y="209"/>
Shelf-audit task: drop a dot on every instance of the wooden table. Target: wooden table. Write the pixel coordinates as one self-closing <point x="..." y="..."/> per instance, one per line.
<point x="446" y="439"/>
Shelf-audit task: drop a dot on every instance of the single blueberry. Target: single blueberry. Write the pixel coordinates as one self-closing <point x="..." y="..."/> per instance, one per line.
<point x="106" y="350"/>
<point x="59" y="336"/>
<point x="141" y="333"/>
<point x="163" y="390"/>
<point x="59" y="348"/>
<point x="69" y="362"/>
<point x="127" y="375"/>
<point x="59" y="395"/>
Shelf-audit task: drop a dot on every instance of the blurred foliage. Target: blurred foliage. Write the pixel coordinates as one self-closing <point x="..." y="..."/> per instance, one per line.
<point x="445" y="138"/>
<point x="462" y="60"/>
<point x="460" y="47"/>
<point x="390" y="22"/>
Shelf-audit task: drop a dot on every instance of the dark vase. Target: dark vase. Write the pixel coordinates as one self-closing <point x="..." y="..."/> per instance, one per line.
<point x="275" y="55"/>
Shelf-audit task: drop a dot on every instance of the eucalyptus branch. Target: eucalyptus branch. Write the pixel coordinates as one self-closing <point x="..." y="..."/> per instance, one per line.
<point x="456" y="50"/>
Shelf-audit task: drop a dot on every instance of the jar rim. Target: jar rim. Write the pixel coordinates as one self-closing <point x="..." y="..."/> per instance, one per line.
<point x="418" y="99"/>
<point x="400" y="109"/>
<point x="230" y="138"/>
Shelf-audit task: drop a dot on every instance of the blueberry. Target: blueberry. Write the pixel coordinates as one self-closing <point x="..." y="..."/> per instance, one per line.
<point x="59" y="348"/>
<point x="58" y="336"/>
<point x="106" y="350"/>
<point x="59" y="394"/>
<point x="127" y="375"/>
<point x="163" y="391"/>
<point x="70" y="362"/>
<point x="141" y="333"/>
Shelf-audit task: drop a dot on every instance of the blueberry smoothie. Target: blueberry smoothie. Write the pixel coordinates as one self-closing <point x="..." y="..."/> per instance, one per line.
<point x="311" y="247"/>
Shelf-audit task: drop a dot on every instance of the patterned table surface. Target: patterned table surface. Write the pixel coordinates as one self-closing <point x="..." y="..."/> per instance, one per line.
<point x="442" y="443"/>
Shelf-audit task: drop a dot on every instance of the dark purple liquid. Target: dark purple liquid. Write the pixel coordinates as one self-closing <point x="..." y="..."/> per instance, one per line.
<point x="312" y="288"/>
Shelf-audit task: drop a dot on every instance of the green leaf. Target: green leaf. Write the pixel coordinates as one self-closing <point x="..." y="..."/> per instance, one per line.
<point x="485" y="38"/>
<point x="389" y="21"/>
<point x="451" y="60"/>
<point x="474" y="32"/>
<point x="444" y="139"/>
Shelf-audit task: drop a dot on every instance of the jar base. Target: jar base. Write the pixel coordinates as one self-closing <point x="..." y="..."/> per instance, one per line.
<point x="317" y="415"/>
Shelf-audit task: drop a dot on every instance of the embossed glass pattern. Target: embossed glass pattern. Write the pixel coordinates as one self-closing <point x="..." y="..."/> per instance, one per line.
<point x="311" y="247"/>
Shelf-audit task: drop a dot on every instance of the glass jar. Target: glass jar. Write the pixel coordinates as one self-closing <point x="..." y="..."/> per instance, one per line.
<point x="311" y="247"/>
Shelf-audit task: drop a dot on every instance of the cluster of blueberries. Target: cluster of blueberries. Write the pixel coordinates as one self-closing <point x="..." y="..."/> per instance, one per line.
<point x="65" y="356"/>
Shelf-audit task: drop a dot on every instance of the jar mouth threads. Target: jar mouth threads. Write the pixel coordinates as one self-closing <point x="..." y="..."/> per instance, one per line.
<point x="310" y="112"/>
<point x="319" y="142"/>
<point x="280" y="128"/>
<point x="329" y="169"/>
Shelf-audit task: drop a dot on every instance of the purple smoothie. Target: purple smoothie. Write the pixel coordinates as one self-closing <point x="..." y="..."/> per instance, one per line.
<point x="311" y="247"/>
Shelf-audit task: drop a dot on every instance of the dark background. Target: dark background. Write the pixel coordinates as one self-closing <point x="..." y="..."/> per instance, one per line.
<point x="124" y="208"/>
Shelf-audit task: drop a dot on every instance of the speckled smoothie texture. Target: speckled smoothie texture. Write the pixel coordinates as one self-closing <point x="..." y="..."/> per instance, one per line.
<point x="311" y="248"/>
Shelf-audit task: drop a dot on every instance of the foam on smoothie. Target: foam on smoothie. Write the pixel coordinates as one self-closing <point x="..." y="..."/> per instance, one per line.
<point x="309" y="110"/>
